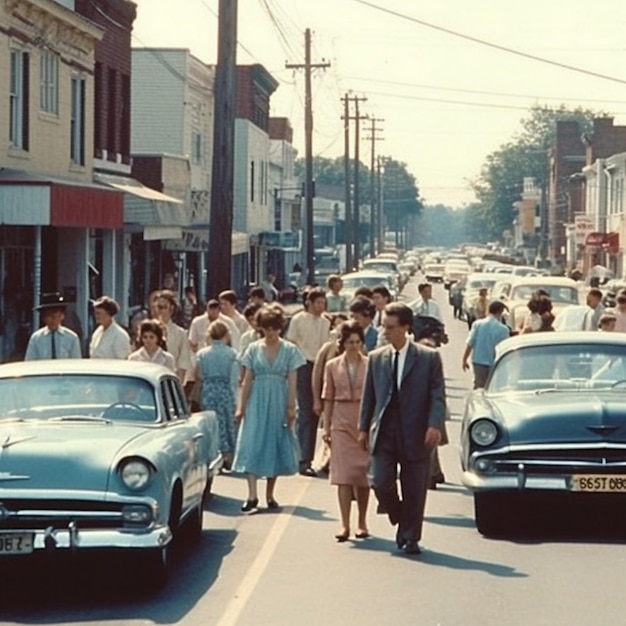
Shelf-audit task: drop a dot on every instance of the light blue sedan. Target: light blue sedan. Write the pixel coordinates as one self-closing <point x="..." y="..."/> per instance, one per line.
<point x="101" y="454"/>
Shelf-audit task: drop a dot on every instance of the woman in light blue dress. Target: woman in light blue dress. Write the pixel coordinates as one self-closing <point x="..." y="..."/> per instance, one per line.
<point x="266" y="445"/>
<point x="217" y="369"/>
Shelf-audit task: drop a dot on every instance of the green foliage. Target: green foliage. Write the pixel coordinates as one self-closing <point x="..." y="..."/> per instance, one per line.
<point x="401" y="197"/>
<point x="441" y="225"/>
<point x="500" y="181"/>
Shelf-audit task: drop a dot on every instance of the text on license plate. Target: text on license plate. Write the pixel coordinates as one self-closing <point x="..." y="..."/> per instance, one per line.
<point x="16" y="543"/>
<point x="599" y="483"/>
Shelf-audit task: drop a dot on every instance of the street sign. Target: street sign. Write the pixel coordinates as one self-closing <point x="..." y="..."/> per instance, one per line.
<point x="583" y="226"/>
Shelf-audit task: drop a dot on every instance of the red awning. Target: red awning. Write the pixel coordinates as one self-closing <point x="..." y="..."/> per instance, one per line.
<point x="32" y="199"/>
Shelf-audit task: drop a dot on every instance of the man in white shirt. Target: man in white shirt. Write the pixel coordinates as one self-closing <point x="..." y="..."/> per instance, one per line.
<point x="228" y="305"/>
<point x="200" y="325"/>
<point x="424" y="304"/>
<point x="381" y="297"/>
<point x="176" y="339"/>
<point x="309" y="330"/>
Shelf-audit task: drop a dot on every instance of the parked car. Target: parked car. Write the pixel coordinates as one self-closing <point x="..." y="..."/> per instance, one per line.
<point x="515" y="292"/>
<point x="471" y="286"/>
<point x="453" y="271"/>
<point x="100" y="454"/>
<point x="551" y="420"/>
<point x="354" y="280"/>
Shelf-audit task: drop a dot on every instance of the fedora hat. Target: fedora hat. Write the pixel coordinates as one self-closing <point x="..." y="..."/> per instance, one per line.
<point x="51" y="301"/>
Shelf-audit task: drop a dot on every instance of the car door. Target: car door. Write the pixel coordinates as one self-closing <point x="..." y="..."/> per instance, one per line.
<point x="184" y="439"/>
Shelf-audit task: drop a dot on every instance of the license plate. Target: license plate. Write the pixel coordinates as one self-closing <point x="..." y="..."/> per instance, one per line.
<point x="16" y="543"/>
<point x="599" y="483"/>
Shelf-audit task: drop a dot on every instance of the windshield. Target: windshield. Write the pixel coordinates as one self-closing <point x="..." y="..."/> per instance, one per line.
<point x="479" y="284"/>
<point x="58" y="396"/>
<point x="364" y="281"/>
<point x="556" y="293"/>
<point x="434" y="267"/>
<point x="560" y="367"/>
<point x="380" y="266"/>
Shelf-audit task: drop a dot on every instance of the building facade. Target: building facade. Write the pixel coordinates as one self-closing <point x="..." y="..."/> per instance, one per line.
<point x="53" y="217"/>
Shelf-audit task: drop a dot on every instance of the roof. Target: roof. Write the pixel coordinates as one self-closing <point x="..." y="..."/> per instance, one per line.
<point x="96" y="367"/>
<point x="557" y="281"/>
<point x="559" y="339"/>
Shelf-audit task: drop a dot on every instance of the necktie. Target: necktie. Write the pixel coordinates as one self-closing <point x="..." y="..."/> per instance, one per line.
<point x="53" y="344"/>
<point x="396" y="358"/>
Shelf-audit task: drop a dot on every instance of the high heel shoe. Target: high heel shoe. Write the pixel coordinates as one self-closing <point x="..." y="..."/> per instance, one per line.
<point x="272" y="504"/>
<point x="250" y="506"/>
<point x="341" y="537"/>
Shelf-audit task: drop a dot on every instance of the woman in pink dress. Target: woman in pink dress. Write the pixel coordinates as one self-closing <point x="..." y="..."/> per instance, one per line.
<point x="343" y="385"/>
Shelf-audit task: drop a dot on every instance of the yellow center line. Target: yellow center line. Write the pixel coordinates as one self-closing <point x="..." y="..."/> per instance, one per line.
<point x="260" y="563"/>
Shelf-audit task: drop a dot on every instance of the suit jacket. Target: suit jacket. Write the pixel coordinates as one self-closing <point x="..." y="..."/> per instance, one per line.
<point x="337" y="384"/>
<point x="422" y="400"/>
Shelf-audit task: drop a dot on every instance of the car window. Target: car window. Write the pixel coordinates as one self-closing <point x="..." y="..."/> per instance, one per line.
<point x="179" y="399"/>
<point x="560" y="367"/>
<point x="169" y="402"/>
<point x="557" y="293"/>
<point x="122" y="398"/>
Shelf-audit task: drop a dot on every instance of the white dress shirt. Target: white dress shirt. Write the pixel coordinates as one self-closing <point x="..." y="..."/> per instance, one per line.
<point x="401" y="360"/>
<point x="160" y="357"/>
<point x="112" y="343"/>
<point x="200" y="324"/>
<point x="178" y="346"/>
<point x="430" y="308"/>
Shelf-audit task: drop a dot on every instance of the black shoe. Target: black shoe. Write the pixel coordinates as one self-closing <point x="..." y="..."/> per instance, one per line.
<point x="272" y="505"/>
<point x="401" y="540"/>
<point x="308" y="471"/>
<point x="250" y="506"/>
<point x="412" y="547"/>
<point x="437" y="479"/>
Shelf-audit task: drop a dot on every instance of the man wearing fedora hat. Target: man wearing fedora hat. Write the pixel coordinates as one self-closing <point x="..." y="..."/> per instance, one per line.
<point x="52" y="341"/>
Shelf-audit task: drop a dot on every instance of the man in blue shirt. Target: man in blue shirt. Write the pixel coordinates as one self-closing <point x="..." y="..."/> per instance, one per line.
<point x="52" y="341"/>
<point x="481" y="343"/>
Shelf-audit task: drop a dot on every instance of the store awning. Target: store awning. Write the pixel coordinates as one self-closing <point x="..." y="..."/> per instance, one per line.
<point x="161" y="216"/>
<point x="28" y="199"/>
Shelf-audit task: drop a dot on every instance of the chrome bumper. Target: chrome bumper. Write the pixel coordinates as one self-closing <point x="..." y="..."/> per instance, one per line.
<point x="514" y="482"/>
<point x="75" y="539"/>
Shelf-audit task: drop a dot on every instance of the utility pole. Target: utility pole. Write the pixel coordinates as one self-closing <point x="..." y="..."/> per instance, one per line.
<point x="373" y="214"/>
<point x="348" y="229"/>
<point x="380" y="219"/>
<point x="221" y="215"/>
<point x="308" y="151"/>
<point x="357" y="140"/>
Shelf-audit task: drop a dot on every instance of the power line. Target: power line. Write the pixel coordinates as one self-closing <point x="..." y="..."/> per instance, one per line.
<point x="479" y="92"/>
<point x="489" y="44"/>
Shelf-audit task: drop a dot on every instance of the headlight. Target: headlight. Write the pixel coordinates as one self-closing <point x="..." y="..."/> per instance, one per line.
<point x="483" y="432"/>
<point x="135" y="474"/>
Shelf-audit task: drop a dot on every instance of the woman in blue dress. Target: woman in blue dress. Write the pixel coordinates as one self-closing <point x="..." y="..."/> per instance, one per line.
<point x="266" y="445"/>
<point x="217" y="369"/>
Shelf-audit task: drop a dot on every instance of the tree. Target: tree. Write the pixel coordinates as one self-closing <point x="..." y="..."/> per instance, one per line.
<point x="500" y="181"/>
<point x="441" y="225"/>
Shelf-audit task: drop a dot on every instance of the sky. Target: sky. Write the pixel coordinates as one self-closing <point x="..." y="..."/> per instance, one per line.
<point x="447" y="102"/>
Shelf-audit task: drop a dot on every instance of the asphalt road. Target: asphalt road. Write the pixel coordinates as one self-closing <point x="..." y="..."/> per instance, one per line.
<point x="285" y="568"/>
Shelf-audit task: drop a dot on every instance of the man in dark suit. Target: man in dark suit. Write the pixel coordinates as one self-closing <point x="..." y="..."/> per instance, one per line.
<point x="402" y="412"/>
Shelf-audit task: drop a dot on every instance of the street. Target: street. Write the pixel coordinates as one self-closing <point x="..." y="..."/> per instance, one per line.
<point x="286" y="568"/>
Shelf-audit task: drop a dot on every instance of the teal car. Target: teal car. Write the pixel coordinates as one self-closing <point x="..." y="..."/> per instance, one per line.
<point x="98" y="454"/>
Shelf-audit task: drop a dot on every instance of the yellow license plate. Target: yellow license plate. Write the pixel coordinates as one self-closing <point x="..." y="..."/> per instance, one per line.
<point x="16" y="543"/>
<point x="599" y="483"/>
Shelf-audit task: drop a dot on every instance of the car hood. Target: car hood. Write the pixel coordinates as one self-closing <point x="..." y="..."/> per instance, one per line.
<point x="562" y="417"/>
<point x="61" y="456"/>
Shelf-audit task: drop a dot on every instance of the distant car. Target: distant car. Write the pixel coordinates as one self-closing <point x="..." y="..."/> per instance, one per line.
<point x="453" y="271"/>
<point x="101" y="455"/>
<point x="515" y="292"/>
<point x="528" y="270"/>
<point x="551" y="420"/>
<point x="433" y="272"/>
<point x="354" y="280"/>
<point x="472" y="285"/>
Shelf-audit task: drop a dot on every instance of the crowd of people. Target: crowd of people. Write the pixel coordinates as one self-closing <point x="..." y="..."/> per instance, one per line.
<point x="272" y="382"/>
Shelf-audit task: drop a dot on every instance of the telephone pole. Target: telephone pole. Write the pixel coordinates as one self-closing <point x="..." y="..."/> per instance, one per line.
<point x="221" y="215"/>
<point x="348" y="230"/>
<point x="356" y="225"/>
<point x="373" y="213"/>
<point x="308" y="68"/>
